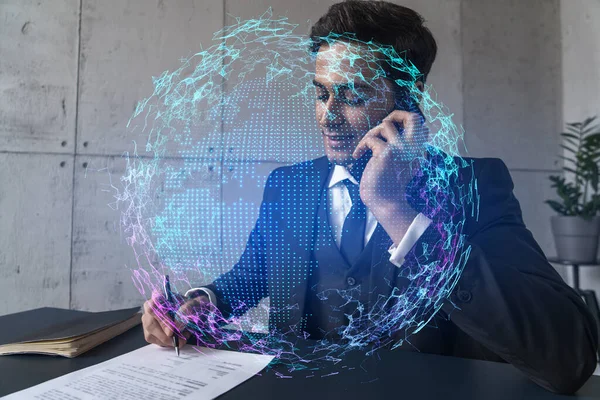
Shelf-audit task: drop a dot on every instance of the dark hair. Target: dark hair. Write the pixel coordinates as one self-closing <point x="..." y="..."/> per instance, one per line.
<point x="383" y="23"/>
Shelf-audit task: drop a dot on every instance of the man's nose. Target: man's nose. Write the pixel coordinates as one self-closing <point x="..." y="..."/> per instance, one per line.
<point x="333" y="114"/>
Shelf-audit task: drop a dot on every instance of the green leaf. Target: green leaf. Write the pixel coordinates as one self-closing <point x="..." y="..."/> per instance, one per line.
<point x="571" y="142"/>
<point x="574" y="125"/>
<point x="593" y="138"/>
<point x="586" y="132"/>
<point x="567" y="159"/>
<point x="588" y="120"/>
<point x="556" y="206"/>
<point x="594" y="176"/>
<point x="570" y="170"/>
<point x="569" y="149"/>
<point x="570" y="135"/>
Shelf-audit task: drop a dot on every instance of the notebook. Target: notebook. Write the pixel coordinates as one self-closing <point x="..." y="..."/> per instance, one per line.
<point x="62" y="332"/>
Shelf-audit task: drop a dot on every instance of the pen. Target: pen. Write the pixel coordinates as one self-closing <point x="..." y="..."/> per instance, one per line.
<point x="170" y="301"/>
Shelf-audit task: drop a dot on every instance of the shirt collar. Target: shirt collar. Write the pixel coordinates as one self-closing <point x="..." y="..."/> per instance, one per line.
<point x="338" y="174"/>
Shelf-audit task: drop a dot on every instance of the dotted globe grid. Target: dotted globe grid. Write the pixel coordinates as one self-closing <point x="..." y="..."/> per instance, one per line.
<point x="175" y="208"/>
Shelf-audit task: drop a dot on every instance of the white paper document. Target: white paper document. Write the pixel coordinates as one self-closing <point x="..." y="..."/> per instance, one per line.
<point x="153" y="373"/>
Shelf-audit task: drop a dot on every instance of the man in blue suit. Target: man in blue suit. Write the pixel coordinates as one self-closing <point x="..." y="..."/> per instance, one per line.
<point x="350" y="222"/>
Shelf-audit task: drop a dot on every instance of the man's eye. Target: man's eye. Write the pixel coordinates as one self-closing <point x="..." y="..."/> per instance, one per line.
<point x="353" y="101"/>
<point x="357" y="101"/>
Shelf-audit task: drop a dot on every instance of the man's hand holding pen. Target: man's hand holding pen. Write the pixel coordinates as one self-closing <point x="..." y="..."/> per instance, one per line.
<point x="159" y="328"/>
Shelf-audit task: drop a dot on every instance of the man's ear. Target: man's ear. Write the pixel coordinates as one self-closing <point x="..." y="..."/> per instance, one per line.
<point x="421" y="86"/>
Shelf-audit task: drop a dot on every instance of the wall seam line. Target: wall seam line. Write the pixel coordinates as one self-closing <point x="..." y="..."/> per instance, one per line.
<point x="77" y="85"/>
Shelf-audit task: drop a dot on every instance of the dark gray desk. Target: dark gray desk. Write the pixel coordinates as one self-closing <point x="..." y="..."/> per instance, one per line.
<point x="397" y="374"/>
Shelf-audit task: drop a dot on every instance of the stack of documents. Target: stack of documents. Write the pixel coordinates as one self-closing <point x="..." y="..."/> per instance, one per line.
<point x="153" y="372"/>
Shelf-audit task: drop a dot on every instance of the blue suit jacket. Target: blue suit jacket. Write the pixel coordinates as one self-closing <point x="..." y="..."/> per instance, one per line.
<point x="509" y="304"/>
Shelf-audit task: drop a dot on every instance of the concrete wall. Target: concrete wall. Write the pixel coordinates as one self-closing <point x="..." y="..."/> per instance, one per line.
<point x="72" y="71"/>
<point x="512" y="96"/>
<point x="580" y="30"/>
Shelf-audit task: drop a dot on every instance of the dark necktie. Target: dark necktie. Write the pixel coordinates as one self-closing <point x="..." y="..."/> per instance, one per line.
<point x="353" y="232"/>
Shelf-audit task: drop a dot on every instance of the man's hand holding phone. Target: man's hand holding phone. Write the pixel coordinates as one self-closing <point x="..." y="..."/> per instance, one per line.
<point x="398" y="140"/>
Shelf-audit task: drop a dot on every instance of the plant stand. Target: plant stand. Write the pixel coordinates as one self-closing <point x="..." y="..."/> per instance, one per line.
<point x="588" y="296"/>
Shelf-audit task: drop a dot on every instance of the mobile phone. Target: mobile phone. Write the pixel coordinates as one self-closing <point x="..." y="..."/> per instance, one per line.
<point x="404" y="101"/>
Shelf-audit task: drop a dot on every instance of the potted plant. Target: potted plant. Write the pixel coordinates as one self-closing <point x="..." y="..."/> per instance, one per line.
<point x="577" y="226"/>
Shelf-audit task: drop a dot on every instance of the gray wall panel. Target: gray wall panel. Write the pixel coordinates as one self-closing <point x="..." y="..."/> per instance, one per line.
<point x="35" y="231"/>
<point x="580" y="27"/>
<point x="443" y="18"/>
<point x="512" y="71"/>
<point x="123" y="45"/>
<point x="38" y="75"/>
<point x="102" y="259"/>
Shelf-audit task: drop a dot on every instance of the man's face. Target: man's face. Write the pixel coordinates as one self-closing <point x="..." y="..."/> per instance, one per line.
<point x="350" y="99"/>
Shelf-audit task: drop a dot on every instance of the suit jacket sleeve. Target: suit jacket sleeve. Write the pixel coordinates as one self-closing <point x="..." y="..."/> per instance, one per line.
<point x="511" y="300"/>
<point x="246" y="284"/>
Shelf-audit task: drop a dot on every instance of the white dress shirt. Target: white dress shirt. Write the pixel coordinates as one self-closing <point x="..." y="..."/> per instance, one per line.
<point x="339" y="207"/>
<point x="340" y="204"/>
